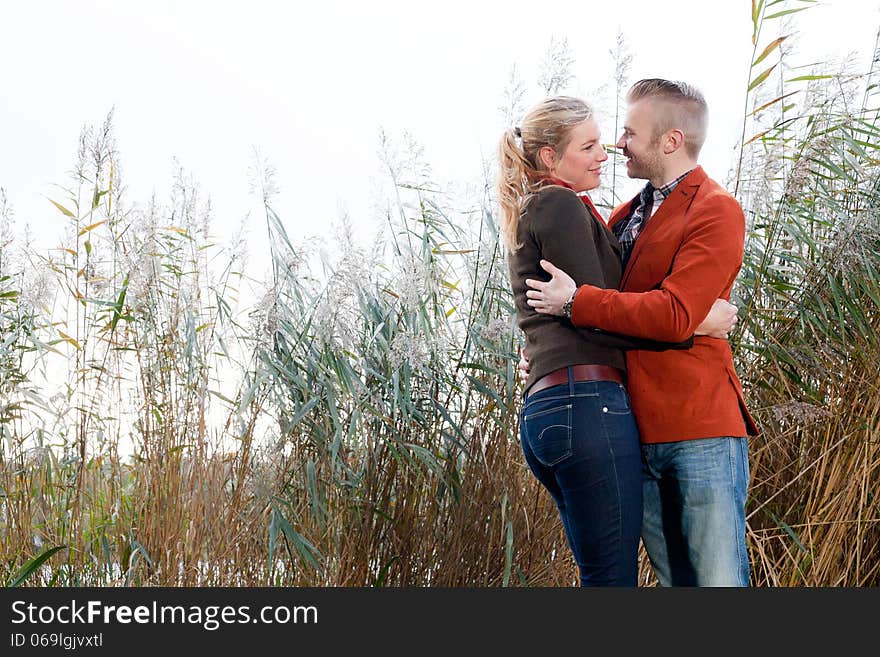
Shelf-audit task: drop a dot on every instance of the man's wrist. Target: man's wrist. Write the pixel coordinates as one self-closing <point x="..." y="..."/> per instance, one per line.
<point x="567" y="306"/>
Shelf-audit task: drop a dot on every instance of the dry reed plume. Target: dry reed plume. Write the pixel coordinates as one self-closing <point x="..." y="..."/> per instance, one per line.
<point x="358" y="427"/>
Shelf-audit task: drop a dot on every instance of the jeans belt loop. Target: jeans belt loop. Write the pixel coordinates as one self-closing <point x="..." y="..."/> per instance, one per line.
<point x="577" y="373"/>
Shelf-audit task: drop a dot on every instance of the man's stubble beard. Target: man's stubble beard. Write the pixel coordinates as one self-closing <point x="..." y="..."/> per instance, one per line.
<point x="647" y="170"/>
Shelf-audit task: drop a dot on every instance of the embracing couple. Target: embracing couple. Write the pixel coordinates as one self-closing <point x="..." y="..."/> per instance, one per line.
<point x="633" y="417"/>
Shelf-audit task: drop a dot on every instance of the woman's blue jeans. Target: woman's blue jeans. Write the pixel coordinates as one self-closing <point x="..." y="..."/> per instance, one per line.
<point x="581" y="442"/>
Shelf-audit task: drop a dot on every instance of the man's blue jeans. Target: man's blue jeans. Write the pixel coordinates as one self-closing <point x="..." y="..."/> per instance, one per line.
<point x="694" y="520"/>
<point x="581" y="441"/>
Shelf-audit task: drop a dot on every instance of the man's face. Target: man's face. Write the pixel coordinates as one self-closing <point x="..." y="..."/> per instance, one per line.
<point x="642" y="150"/>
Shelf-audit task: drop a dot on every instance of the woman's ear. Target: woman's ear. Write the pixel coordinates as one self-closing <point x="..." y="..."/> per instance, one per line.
<point x="547" y="156"/>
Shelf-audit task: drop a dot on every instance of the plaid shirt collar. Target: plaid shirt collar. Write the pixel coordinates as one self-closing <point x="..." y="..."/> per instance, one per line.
<point x="628" y="229"/>
<point x="660" y="195"/>
<point x="666" y="189"/>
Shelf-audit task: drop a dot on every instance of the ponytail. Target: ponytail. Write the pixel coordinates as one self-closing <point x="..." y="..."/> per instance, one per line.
<point x="513" y="187"/>
<point x="521" y="172"/>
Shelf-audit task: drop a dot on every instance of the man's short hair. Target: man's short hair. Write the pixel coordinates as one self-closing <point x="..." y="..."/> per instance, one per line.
<point x="682" y="106"/>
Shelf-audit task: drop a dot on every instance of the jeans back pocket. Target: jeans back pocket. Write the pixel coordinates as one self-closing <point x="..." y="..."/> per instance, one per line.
<point x="548" y="431"/>
<point x="615" y="400"/>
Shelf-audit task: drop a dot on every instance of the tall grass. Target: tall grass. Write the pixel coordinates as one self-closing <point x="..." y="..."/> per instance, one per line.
<point x="350" y="428"/>
<point x="351" y="419"/>
<point x="808" y="349"/>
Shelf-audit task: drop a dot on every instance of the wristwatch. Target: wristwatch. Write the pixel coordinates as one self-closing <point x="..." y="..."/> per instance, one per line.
<point x="566" y="307"/>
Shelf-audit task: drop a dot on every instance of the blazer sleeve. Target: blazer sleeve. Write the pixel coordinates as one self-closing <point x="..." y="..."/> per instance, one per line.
<point x="568" y="236"/>
<point x="620" y="341"/>
<point x="703" y="269"/>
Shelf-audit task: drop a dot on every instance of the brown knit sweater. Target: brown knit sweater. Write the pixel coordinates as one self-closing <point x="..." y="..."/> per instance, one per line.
<point x="557" y="226"/>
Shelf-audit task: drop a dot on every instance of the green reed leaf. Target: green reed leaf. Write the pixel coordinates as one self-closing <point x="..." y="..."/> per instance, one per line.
<point x="32" y="565"/>
<point x="770" y="48"/>
<point x="758" y="80"/>
<point x="64" y="210"/>
<point x="785" y="12"/>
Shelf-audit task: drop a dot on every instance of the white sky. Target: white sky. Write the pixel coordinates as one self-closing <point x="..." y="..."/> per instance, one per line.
<point x="310" y="84"/>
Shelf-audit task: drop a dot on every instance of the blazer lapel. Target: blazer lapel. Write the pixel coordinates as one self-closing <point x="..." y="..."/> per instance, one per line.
<point x="621" y="211"/>
<point x="675" y="204"/>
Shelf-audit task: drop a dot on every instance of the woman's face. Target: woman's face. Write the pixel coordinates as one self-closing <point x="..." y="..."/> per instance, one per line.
<point x="581" y="162"/>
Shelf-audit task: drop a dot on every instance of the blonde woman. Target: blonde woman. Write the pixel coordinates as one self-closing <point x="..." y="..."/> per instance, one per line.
<point x="577" y="430"/>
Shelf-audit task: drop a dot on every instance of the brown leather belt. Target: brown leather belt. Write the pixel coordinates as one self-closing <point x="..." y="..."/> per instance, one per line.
<point x="578" y="373"/>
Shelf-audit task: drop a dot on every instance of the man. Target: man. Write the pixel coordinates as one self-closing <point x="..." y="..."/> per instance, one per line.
<point x="681" y="242"/>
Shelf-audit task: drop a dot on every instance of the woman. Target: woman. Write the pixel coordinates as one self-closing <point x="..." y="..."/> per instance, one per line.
<point x="577" y="430"/>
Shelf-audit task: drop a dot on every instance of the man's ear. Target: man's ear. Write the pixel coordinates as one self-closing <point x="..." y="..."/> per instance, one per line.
<point x="673" y="141"/>
<point x="547" y="156"/>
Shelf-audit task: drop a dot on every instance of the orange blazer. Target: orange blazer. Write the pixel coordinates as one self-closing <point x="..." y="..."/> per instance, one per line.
<point x="688" y="254"/>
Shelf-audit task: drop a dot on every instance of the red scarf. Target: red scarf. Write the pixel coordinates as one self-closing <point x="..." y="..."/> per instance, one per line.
<point x="550" y="180"/>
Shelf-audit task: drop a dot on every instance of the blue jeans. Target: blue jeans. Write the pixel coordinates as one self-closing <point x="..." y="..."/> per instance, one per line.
<point x="581" y="442"/>
<point x="694" y="526"/>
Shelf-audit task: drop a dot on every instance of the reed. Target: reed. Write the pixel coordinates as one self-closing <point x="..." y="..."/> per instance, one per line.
<point x="351" y="420"/>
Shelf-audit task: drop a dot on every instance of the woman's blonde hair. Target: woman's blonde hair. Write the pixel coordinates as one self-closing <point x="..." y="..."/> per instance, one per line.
<point x="521" y="169"/>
